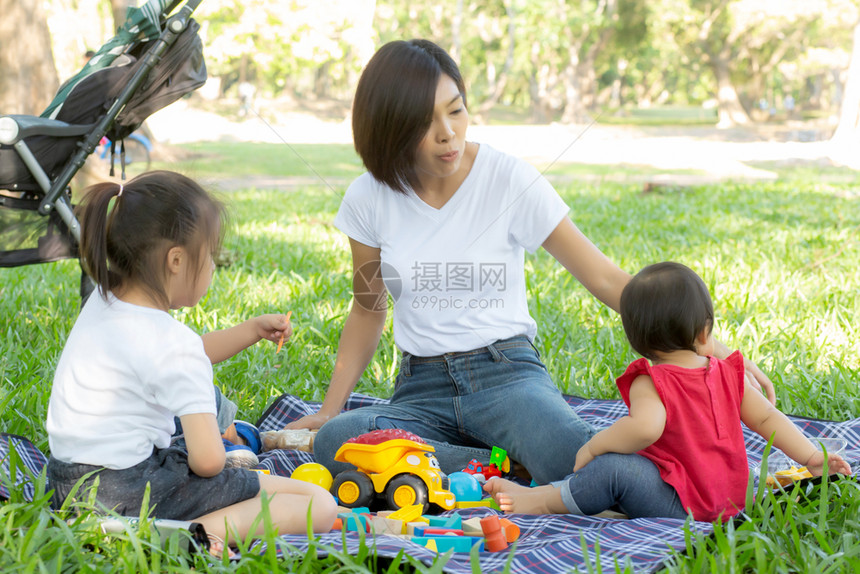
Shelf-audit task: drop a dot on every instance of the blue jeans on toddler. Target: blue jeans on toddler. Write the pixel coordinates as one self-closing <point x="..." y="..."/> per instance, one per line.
<point x="629" y="482"/>
<point x="463" y="404"/>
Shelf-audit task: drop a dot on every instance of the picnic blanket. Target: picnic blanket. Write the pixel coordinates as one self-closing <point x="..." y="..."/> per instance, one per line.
<point x="547" y="544"/>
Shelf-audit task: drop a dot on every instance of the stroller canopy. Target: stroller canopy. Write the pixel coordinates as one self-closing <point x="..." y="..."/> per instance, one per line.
<point x="140" y="24"/>
<point x="155" y="58"/>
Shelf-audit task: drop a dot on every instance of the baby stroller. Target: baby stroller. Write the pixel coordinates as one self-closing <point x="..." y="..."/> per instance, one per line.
<point x="155" y="58"/>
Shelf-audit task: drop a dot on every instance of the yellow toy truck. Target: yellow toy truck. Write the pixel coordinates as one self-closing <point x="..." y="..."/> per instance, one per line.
<point x="392" y="464"/>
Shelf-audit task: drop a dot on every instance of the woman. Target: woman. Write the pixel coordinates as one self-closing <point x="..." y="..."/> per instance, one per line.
<point x="443" y="224"/>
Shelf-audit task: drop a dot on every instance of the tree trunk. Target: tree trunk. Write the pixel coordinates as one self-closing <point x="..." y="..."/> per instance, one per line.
<point x="456" y="40"/>
<point x="731" y="112"/>
<point x="574" y="103"/>
<point x="848" y="129"/>
<point x="498" y="82"/>
<point x="538" y="92"/>
<point x="28" y="78"/>
<point x="119" y="8"/>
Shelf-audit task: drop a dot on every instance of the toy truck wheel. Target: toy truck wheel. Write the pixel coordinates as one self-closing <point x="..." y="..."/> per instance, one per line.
<point x="406" y="490"/>
<point x="352" y="489"/>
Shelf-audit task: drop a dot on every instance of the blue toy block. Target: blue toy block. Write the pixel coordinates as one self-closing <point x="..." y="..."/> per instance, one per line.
<point x="455" y="543"/>
<point x="351" y="521"/>
<point x="450" y="521"/>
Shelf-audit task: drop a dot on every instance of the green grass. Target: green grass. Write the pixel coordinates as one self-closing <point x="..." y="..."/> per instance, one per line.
<point x="220" y="159"/>
<point x="782" y="260"/>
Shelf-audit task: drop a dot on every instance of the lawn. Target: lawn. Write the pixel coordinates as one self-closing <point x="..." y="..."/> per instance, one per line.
<point x="782" y="260"/>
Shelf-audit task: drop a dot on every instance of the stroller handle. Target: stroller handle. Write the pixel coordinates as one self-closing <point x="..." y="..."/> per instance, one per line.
<point x="175" y="25"/>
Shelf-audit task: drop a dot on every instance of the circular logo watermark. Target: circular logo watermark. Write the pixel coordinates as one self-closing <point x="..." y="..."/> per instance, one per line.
<point x="368" y="292"/>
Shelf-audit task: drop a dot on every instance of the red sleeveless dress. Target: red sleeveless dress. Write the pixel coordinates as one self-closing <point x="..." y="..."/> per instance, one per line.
<point x="701" y="452"/>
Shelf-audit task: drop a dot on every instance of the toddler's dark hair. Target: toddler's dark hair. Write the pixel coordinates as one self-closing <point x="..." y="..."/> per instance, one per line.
<point x="664" y="308"/>
<point x="156" y="211"/>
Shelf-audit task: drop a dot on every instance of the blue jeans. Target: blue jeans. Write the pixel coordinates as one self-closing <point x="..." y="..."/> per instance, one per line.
<point x="629" y="482"/>
<point x="463" y="404"/>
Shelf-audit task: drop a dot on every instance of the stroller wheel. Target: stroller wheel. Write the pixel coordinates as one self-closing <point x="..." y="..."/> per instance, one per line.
<point x="137" y="158"/>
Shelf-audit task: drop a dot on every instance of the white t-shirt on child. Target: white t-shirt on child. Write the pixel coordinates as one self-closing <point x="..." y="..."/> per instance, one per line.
<point x="124" y="373"/>
<point x="456" y="274"/>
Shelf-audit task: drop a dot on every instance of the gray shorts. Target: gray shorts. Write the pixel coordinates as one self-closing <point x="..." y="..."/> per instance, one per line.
<point x="175" y="492"/>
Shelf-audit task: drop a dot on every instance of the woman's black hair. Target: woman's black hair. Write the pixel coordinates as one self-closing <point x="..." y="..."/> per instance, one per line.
<point x="664" y="308"/>
<point x="393" y="107"/>
<point x="152" y="213"/>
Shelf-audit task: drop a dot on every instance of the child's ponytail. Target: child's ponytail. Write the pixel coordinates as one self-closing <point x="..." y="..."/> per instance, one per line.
<point x="95" y="214"/>
<point x="126" y="230"/>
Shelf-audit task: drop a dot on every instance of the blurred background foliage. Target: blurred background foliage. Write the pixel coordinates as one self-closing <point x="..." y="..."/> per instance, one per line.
<point x="737" y="61"/>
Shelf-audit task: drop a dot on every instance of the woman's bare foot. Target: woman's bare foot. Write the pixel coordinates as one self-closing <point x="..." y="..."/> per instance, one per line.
<point x="515" y="498"/>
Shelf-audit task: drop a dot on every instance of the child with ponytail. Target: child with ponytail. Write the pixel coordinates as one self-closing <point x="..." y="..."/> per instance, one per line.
<point x="128" y="368"/>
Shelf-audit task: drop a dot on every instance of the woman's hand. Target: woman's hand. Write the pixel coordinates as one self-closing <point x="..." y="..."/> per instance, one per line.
<point x="835" y="464"/>
<point x="759" y="380"/>
<point x="272" y="326"/>
<point x="754" y="376"/>
<point x="311" y="422"/>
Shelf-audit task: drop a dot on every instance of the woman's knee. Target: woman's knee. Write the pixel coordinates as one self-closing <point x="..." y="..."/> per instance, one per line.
<point x="334" y="433"/>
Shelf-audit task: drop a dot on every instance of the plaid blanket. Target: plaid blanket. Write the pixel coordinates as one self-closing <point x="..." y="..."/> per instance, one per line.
<point x="547" y="544"/>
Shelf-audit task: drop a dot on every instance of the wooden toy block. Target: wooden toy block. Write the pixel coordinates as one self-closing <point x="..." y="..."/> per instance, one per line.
<point x="450" y="521"/>
<point x="387" y="526"/>
<point x="411" y="526"/>
<point x="472" y="526"/>
<point x="408" y="513"/>
<point x="511" y="530"/>
<point x="446" y="543"/>
<point x="495" y="539"/>
<point x="353" y="522"/>
<point x="436" y="531"/>
<point x="483" y="503"/>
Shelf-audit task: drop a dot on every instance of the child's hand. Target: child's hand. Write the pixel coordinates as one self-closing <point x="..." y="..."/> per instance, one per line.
<point x="835" y="464"/>
<point x="583" y="457"/>
<point x="273" y="326"/>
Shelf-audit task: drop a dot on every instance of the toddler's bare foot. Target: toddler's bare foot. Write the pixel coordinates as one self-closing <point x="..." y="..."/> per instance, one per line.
<point x="515" y="498"/>
<point x="217" y="546"/>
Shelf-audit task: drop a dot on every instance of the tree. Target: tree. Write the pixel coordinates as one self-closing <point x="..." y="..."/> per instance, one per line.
<point x="303" y="47"/>
<point x="846" y="138"/>
<point x="28" y="78"/>
<point x="706" y="27"/>
<point x="119" y="8"/>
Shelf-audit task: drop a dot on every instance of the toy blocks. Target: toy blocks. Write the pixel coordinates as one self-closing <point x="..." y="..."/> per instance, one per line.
<point x="493" y="534"/>
<point x="446" y="543"/>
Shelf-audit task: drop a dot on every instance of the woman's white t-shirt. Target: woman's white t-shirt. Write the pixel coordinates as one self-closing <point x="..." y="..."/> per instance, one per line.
<point x="456" y="274"/>
<point x="124" y="373"/>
